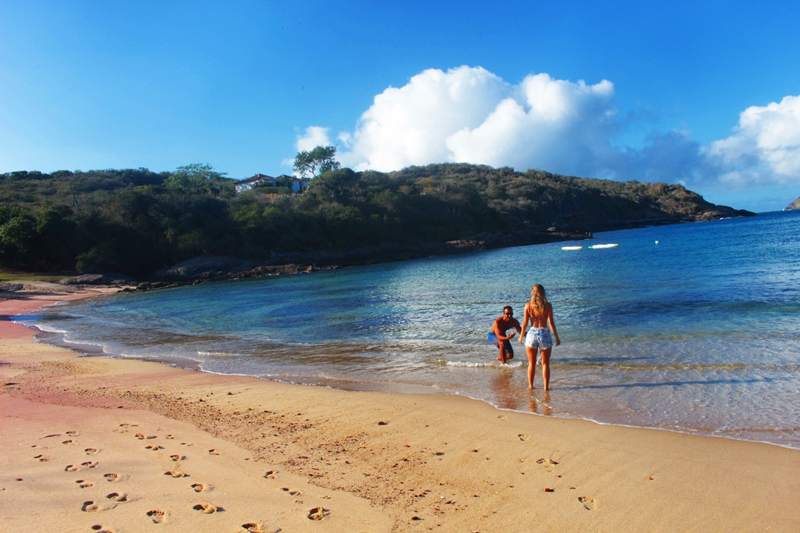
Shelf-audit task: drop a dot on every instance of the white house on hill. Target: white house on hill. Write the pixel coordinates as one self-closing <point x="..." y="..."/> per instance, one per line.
<point x="262" y="180"/>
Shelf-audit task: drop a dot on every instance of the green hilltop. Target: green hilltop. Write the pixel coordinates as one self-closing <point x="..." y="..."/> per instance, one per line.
<point x="137" y="222"/>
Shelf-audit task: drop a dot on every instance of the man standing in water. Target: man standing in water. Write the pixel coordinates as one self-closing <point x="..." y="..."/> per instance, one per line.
<point x="498" y="335"/>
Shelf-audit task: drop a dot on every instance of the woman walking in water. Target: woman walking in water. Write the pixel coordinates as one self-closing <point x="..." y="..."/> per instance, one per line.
<point x="540" y="314"/>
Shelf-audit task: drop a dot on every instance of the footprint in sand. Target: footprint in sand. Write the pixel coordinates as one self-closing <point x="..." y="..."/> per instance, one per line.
<point x="71" y="468"/>
<point x="318" y="513"/>
<point x="252" y="527"/>
<point x="158" y="516"/>
<point x="176" y="457"/>
<point x="43" y="458"/>
<point x="198" y="487"/>
<point x="90" y="451"/>
<point x="547" y="463"/>
<point x="68" y="442"/>
<point x="129" y="425"/>
<point x="270" y="474"/>
<point x="84" y="484"/>
<point x="90" y="507"/>
<point x="175" y="474"/>
<point x="53" y="435"/>
<point x="117" y="497"/>
<point x="212" y="451"/>
<point x="89" y="464"/>
<point x="523" y="437"/>
<point x="140" y="436"/>
<point x="502" y="417"/>
<point x="101" y="529"/>
<point x="292" y="492"/>
<point x="111" y="476"/>
<point x="207" y="508"/>
<point x="588" y="503"/>
<point x="153" y="448"/>
<point x="72" y="433"/>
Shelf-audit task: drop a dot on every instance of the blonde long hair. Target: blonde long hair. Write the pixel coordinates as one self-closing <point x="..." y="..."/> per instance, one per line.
<point x="538" y="300"/>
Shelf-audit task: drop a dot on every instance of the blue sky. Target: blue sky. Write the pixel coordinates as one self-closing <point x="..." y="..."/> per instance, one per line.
<point x="706" y="93"/>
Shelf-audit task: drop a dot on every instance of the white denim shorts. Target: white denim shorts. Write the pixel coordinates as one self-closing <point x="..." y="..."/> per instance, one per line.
<point x="539" y="338"/>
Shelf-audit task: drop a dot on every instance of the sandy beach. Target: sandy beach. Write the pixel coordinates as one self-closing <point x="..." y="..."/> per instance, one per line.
<point x="99" y="444"/>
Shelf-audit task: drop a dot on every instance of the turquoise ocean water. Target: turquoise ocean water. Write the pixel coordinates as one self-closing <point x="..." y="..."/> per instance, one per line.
<point x="699" y="333"/>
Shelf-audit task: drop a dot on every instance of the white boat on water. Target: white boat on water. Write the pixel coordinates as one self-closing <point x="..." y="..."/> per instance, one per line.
<point x="571" y="247"/>
<point x="598" y="246"/>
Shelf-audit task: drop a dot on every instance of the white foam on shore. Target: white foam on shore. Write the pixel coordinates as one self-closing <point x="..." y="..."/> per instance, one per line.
<point x="18" y="319"/>
<point x="218" y="354"/>
<point x="483" y="364"/>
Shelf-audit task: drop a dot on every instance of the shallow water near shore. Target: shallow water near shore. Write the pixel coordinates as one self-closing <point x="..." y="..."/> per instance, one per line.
<point x="696" y="333"/>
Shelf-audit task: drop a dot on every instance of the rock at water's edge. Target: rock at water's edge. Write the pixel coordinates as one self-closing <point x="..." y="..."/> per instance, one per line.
<point x="206" y="267"/>
<point x="99" y="279"/>
<point x="794" y="206"/>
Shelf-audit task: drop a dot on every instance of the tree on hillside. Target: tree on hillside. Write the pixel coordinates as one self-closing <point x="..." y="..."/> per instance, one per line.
<point x="195" y="179"/>
<point x="319" y="160"/>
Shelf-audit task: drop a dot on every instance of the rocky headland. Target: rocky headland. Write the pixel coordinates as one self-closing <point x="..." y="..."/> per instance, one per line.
<point x="150" y="234"/>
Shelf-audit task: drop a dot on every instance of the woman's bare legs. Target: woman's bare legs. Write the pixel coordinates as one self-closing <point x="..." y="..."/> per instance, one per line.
<point x="531" y="365"/>
<point x="545" y="367"/>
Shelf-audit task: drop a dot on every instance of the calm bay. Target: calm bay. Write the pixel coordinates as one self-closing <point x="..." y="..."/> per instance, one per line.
<point x="690" y="327"/>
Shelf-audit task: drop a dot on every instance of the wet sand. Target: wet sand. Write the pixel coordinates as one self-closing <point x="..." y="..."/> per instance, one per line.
<point x="96" y="444"/>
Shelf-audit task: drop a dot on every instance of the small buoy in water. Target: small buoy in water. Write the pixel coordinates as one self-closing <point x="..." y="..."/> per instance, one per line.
<point x="656" y="242"/>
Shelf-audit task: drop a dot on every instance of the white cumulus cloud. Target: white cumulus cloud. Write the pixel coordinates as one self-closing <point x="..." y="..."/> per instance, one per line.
<point x="548" y="124"/>
<point x="764" y="148"/>
<point x="410" y="125"/>
<point x="468" y="114"/>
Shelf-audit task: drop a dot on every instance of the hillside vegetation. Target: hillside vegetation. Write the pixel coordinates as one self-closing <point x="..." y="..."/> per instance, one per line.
<point x="136" y="221"/>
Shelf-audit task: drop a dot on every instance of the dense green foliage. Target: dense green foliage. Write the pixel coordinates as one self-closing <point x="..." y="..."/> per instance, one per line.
<point x="137" y="221"/>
